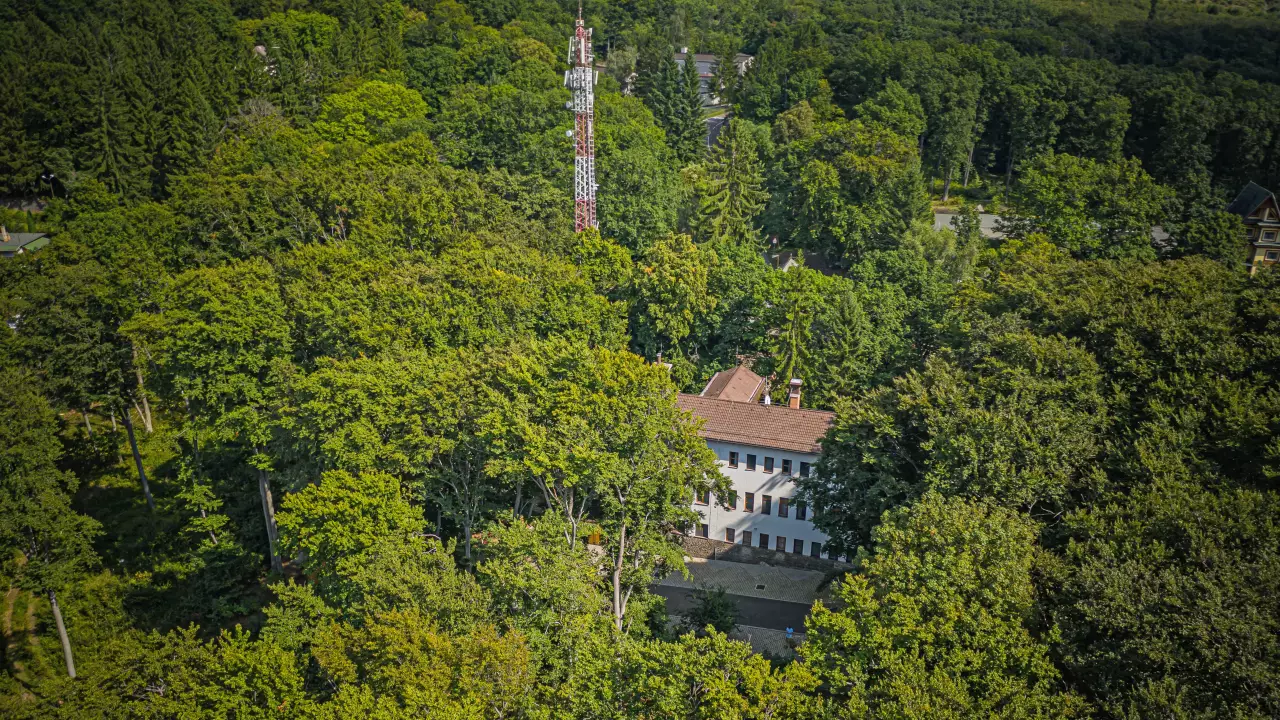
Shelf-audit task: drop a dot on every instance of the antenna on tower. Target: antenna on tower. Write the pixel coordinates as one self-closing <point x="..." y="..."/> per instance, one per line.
<point x="581" y="79"/>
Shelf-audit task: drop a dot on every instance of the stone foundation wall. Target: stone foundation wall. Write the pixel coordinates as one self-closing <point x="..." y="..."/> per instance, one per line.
<point x="708" y="549"/>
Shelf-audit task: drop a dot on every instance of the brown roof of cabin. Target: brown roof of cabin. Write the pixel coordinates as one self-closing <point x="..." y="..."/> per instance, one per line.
<point x="767" y="426"/>
<point x="738" y="385"/>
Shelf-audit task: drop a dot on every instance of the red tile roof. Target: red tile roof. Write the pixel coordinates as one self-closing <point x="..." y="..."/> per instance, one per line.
<point x="767" y="426"/>
<point x="738" y="385"/>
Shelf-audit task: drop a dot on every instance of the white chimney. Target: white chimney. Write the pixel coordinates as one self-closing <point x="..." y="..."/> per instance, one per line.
<point x="793" y="397"/>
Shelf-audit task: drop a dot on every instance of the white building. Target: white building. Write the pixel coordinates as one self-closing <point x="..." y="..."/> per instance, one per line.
<point x="762" y="449"/>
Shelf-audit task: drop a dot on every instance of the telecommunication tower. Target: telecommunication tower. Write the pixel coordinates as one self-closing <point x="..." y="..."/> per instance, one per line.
<point x="581" y="79"/>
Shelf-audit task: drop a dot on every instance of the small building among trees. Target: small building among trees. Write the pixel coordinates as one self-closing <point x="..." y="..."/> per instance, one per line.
<point x="12" y="244"/>
<point x="1258" y="208"/>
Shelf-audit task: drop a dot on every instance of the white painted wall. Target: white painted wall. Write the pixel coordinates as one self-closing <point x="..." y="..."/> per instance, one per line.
<point x="757" y="481"/>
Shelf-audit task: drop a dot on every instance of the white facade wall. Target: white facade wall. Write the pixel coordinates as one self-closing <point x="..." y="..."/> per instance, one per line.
<point x="774" y="484"/>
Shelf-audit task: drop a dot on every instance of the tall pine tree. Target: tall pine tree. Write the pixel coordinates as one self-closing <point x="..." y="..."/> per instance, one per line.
<point x="688" y="131"/>
<point x="734" y="194"/>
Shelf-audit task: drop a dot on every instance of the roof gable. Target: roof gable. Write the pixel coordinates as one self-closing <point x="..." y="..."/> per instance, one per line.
<point x="1250" y="199"/>
<point x="738" y="385"/>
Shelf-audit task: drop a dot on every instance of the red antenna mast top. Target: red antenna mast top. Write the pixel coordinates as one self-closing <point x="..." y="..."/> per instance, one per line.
<point x="581" y="79"/>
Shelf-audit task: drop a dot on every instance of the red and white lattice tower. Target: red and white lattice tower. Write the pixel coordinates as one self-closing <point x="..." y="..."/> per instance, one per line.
<point x="581" y="79"/>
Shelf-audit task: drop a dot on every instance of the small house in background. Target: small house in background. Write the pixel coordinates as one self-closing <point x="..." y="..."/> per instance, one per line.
<point x="12" y="244"/>
<point x="1258" y="208"/>
<point x="707" y="65"/>
<point x="786" y="259"/>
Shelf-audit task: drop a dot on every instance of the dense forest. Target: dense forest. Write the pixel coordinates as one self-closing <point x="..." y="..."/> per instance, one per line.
<point x="313" y="401"/>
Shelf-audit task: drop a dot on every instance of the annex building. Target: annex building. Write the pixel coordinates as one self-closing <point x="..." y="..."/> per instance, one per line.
<point x="762" y="449"/>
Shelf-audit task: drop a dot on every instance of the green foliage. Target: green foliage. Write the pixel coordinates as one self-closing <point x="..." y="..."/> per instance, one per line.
<point x="1020" y="425"/>
<point x="712" y="609"/>
<point x="688" y="134"/>
<point x="337" y="520"/>
<point x="1090" y="209"/>
<point x="669" y="293"/>
<point x="219" y="341"/>
<point x="734" y="193"/>
<point x="937" y="621"/>
<point x="367" y="112"/>
<point x="1166" y="599"/>
<point x="330" y="245"/>
<point x="851" y="188"/>
<point x="48" y="544"/>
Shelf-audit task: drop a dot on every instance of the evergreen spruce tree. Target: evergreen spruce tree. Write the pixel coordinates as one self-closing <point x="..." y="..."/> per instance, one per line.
<point x="734" y="194"/>
<point x="658" y="84"/>
<point x="687" y="135"/>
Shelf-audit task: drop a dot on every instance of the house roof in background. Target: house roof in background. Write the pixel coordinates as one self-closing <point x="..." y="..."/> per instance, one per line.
<point x="24" y="242"/>
<point x="1249" y="199"/>
<point x="738" y="385"/>
<point x="767" y="426"/>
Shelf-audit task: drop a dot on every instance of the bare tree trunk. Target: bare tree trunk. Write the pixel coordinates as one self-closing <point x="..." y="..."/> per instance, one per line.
<point x="269" y="514"/>
<point x="619" y="607"/>
<point x="115" y="429"/>
<point x="145" y="411"/>
<point x="88" y="428"/>
<point x="137" y="460"/>
<point x="968" y="166"/>
<point x="62" y="635"/>
<point x="946" y="185"/>
<point x="1008" y="174"/>
<point x="205" y="516"/>
<point x="516" y="509"/>
<point x="466" y="538"/>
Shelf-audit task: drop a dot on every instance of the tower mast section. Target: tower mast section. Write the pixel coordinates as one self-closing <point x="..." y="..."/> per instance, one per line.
<point x="581" y="80"/>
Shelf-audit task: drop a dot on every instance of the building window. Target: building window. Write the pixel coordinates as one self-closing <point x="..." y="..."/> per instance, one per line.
<point x="703" y="497"/>
<point x="764" y="540"/>
<point x="784" y="507"/>
<point x="802" y="511"/>
<point x="746" y="538"/>
<point x="797" y="546"/>
<point x="702" y="530"/>
<point x="1273" y="255"/>
<point x="1269" y="235"/>
<point x="751" y="461"/>
<point x="815" y="549"/>
<point x="781" y="545"/>
<point x="732" y="501"/>
<point x="766" y="504"/>
<point x="728" y="535"/>
<point x="768" y="464"/>
<point x="786" y="466"/>
<point x="804" y="469"/>
<point x="733" y="459"/>
<point x="750" y="505"/>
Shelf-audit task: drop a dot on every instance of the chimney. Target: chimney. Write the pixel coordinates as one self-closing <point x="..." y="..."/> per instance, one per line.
<point x="793" y="397"/>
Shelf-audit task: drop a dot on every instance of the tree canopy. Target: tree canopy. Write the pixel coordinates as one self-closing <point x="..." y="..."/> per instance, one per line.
<point x="316" y="406"/>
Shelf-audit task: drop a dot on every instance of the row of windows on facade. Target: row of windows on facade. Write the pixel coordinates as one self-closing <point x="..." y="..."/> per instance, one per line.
<point x="768" y="464"/>
<point x="766" y="504"/>
<point x="780" y="542"/>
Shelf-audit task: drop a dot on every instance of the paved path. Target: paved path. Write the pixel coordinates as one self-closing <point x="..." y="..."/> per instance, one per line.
<point x="754" y="611"/>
